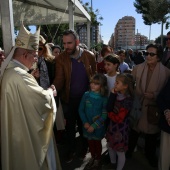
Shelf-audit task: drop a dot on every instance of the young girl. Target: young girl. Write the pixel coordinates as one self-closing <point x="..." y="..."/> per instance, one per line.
<point x="111" y="65"/>
<point x="118" y="107"/>
<point x="93" y="114"/>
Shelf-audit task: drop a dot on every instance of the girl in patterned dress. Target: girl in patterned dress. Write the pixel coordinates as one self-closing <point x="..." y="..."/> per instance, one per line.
<point x="119" y="105"/>
<point x="93" y="114"/>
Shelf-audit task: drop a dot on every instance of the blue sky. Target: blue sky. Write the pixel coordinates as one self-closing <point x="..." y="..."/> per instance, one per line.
<point x="113" y="10"/>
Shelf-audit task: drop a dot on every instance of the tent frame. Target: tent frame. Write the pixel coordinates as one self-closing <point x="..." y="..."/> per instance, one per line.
<point x="7" y="18"/>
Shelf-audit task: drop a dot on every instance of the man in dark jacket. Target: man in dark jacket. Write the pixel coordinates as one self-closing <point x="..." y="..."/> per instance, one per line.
<point x="74" y="68"/>
<point x="166" y="55"/>
<point x="163" y="101"/>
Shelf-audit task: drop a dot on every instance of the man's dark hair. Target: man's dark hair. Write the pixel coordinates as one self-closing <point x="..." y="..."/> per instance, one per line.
<point x="68" y="32"/>
<point x="168" y="33"/>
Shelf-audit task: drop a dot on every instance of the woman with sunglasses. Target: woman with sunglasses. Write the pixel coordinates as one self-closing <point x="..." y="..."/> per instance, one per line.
<point x="150" y="77"/>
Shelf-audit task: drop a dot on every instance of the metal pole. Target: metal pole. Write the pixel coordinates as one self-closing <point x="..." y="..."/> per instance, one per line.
<point x="71" y="15"/>
<point x="91" y="5"/>
<point x="7" y="23"/>
<point x="88" y="34"/>
<point x="149" y="33"/>
<point x="136" y="38"/>
<point x="91" y="30"/>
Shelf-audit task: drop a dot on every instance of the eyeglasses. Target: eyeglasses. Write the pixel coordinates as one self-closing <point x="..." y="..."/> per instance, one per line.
<point x="151" y="54"/>
<point x="40" y="49"/>
<point x="167" y="39"/>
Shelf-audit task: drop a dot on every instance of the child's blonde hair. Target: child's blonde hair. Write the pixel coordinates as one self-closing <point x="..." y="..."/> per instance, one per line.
<point x="102" y="81"/>
<point x="127" y="79"/>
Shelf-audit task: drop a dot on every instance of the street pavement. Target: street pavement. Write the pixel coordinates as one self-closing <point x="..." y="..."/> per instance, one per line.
<point x="137" y="162"/>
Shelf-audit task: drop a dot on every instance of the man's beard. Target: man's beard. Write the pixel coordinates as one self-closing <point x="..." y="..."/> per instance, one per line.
<point x="72" y="52"/>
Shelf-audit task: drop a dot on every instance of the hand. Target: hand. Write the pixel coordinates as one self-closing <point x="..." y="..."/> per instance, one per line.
<point x="113" y="90"/>
<point x="86" y="125"/>
<point x="169" y="122"/>
<point x="36" y="73"/>
<point x="149" y="95"/>
<point x="2" y="57"/>
<point x="52" y="87"/>
<point x="167" y="116"/>
<point x="90" y="129"/>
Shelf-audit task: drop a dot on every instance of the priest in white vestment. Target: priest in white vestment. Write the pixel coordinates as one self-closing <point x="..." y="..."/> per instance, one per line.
<point x="27" y="111"/>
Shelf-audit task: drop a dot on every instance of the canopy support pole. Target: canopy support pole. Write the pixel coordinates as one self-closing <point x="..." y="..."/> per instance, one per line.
<point x="7" y="23"/>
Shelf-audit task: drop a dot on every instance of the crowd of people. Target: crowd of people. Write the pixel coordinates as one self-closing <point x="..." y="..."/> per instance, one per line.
<point x="47" y="90"/>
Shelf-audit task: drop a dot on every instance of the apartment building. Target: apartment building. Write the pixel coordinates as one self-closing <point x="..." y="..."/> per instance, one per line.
<point x="124" y="33"/>
<point x="140" y="40"/>
<point x="95" y="34"/>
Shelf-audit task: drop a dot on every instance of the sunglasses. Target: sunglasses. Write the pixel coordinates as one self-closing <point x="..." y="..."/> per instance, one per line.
<point x="40" y="49"/>
<point x="167" y="39"/>
<point x="151" y="54"/>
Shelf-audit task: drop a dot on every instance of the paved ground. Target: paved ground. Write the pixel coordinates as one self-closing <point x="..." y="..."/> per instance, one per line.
<point x="137" y="162"/>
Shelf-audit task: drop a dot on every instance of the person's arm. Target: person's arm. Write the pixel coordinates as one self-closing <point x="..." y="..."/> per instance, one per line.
<point x="101" y="119"/>
<point x="93" y="64"/>
<point x="118" y="118"/>
<point x="82" y="109"/>
<point x="2" y="57"/>
<point x="119" y="114"/>
<point x="134" y="72"/>
<point x="111" y="101"/>
<point x="163" y="99"/>
<point x="59" y="74"/>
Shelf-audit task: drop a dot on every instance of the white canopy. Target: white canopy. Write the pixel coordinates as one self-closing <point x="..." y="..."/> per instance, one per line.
<point x="43" y="12"/>
<point x="40" y="12"/>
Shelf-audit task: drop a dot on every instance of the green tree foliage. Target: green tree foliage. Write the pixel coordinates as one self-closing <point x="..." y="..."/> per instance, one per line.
<point x="158" y="40"/>
<point x="54" y="32"/>
<point x="93" y="14"/>
<point x="96" y="19"/>
<point x="153" y="11"/>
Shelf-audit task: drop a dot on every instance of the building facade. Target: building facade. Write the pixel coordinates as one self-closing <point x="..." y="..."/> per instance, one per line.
<point x="124" y="33"/>
<point x="141" y="41"/>
<point x="111" y="41"/>
<point x="95" y="36"/>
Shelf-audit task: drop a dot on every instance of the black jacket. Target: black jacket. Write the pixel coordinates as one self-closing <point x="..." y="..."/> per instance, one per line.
<point x="163" y="101"/>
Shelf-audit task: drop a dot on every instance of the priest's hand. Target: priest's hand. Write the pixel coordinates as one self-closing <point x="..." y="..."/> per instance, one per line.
<point x="52" y="87"/>
<point x="167" y="116"/>
<point x="2" y="57"/>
